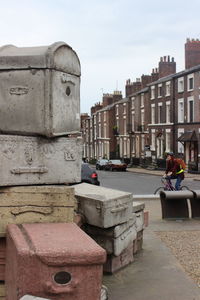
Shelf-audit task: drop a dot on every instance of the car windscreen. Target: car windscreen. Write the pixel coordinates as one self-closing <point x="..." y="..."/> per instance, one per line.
<point x="115" y="161"/>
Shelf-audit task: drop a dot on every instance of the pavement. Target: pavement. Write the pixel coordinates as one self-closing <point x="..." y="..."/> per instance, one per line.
<point x="160" y="173"/>
<point x="155" y="273"/>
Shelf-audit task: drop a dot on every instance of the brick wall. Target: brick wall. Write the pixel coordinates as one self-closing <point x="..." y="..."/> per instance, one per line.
<point x="192" y="53"/>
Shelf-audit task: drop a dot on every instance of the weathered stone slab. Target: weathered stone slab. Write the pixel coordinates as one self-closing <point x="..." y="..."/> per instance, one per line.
<point x="138" y="242"/>
<point x="115" y="263"/>
<point x="39" y="90"/>
<point x="36" y="204"/>
<point x="114" y="239"/>
<point x="34" y="160"/>
<point x="103" y="207"/>
<point x="139" y="220"/>
<point x="137" y="206"/>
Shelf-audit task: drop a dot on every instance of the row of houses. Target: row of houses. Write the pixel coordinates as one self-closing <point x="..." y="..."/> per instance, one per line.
<point x="159" y="113"/>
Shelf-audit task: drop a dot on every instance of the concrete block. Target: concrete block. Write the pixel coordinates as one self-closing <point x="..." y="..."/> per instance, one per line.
<point x="32" y="160"/>
<point x="115" y="263"/>
<point x="138" y="242"/>
<point x="103" y="207"/>
<point x="137" y="206"/>
<point x="139" y="220"/>
<point x="36" y="204"/>
<point x="39" y="90"/>
<point x="52" y="259"/>
<point x="114" y="239"/>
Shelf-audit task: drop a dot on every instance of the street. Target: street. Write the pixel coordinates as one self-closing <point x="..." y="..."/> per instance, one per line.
<point x="135" y="183"/>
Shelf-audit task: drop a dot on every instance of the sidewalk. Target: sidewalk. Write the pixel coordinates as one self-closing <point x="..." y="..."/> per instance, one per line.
<point x="160" y="173"/>
<point x="155" y="274"/>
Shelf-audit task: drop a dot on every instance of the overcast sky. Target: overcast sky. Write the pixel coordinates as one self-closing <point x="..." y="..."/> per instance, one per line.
<point x="114" y="39"/>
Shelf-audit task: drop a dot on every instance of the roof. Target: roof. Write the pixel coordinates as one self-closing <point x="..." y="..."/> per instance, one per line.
<point x="188" y="136"/>
<point x="176" y="75"/>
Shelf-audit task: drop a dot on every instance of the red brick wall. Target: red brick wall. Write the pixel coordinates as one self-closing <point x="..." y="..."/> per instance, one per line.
<point x="192" y="53"/>
<point x="167" y="66"/>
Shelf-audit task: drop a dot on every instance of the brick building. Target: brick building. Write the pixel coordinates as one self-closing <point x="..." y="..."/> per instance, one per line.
<point x="160" y="113"/>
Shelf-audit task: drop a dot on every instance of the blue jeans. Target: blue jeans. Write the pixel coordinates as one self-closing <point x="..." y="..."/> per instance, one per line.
<point x="178" y="181"/>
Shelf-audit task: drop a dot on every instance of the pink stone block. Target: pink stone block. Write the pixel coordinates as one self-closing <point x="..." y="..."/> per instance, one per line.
<point x="56" y="261"/>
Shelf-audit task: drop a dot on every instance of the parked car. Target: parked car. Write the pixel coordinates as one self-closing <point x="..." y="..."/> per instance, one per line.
<point x="100" y="164"/>
<point x="88" y="175"/>
<point x="115" y="164"/>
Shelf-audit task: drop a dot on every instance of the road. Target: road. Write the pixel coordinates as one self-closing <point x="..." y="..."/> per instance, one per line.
<point x="136" y="183"/>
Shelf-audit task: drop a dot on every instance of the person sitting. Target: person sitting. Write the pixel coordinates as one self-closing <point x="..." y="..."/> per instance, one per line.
<point x="174" y="170"/>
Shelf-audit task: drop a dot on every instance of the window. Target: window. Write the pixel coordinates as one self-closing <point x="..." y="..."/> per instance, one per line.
<point x="160" y="112"/>
<point x="100" y="131"/>
<point x="153" y="92"/>
<point x="153" y="139"/>
<point x="168" y="112"/>
<point x="142" y="100"/>
<point x="180" y="145"/>
<point x="167" y="86"/>
<point x="142" y="142"/>
<point x="104" y="129"/>
<point x="180" y="85"/>
<point x="180" y="111"/>
<point x="99" y="117"/>
<point x="167" y="140"/>
<point x="104" y="116"/>
<point x="124" y="124"/>
<point x="117" y="110"/>
<point x="133" y="121"/>
<point x="124" y="108"/>
<point x="125" y="147"/>
<point x="133" y="145"/>
<point x="190" y="81"/>
<point x="142" y="117"/>
<point x="152" y="113"/>
<point x="95" y="131"/>
<point x="133" y="102"/>
<point x="91" y="136"/>
<point x="190" y="109"/>
<point x="159" y="90"/>
<point x="117" y="123"/>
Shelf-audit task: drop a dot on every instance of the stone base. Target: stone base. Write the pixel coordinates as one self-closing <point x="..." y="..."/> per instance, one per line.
<point x="138" y="242"/>
<point x="115" y="263"/>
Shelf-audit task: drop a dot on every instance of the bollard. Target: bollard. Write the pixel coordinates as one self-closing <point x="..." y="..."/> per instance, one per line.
<point x="195" y="204"/>
<point x="174" y="204"/>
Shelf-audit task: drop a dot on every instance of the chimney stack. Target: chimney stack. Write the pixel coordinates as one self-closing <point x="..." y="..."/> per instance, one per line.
<point x="192" y="53"/>
<point x="167" y="66"/>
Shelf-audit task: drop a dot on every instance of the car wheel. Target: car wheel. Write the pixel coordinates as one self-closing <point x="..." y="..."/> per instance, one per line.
<point x="97" y="168"/>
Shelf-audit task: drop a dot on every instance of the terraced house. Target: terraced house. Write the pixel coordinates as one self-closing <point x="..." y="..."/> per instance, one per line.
<point x="159" y="113"/>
